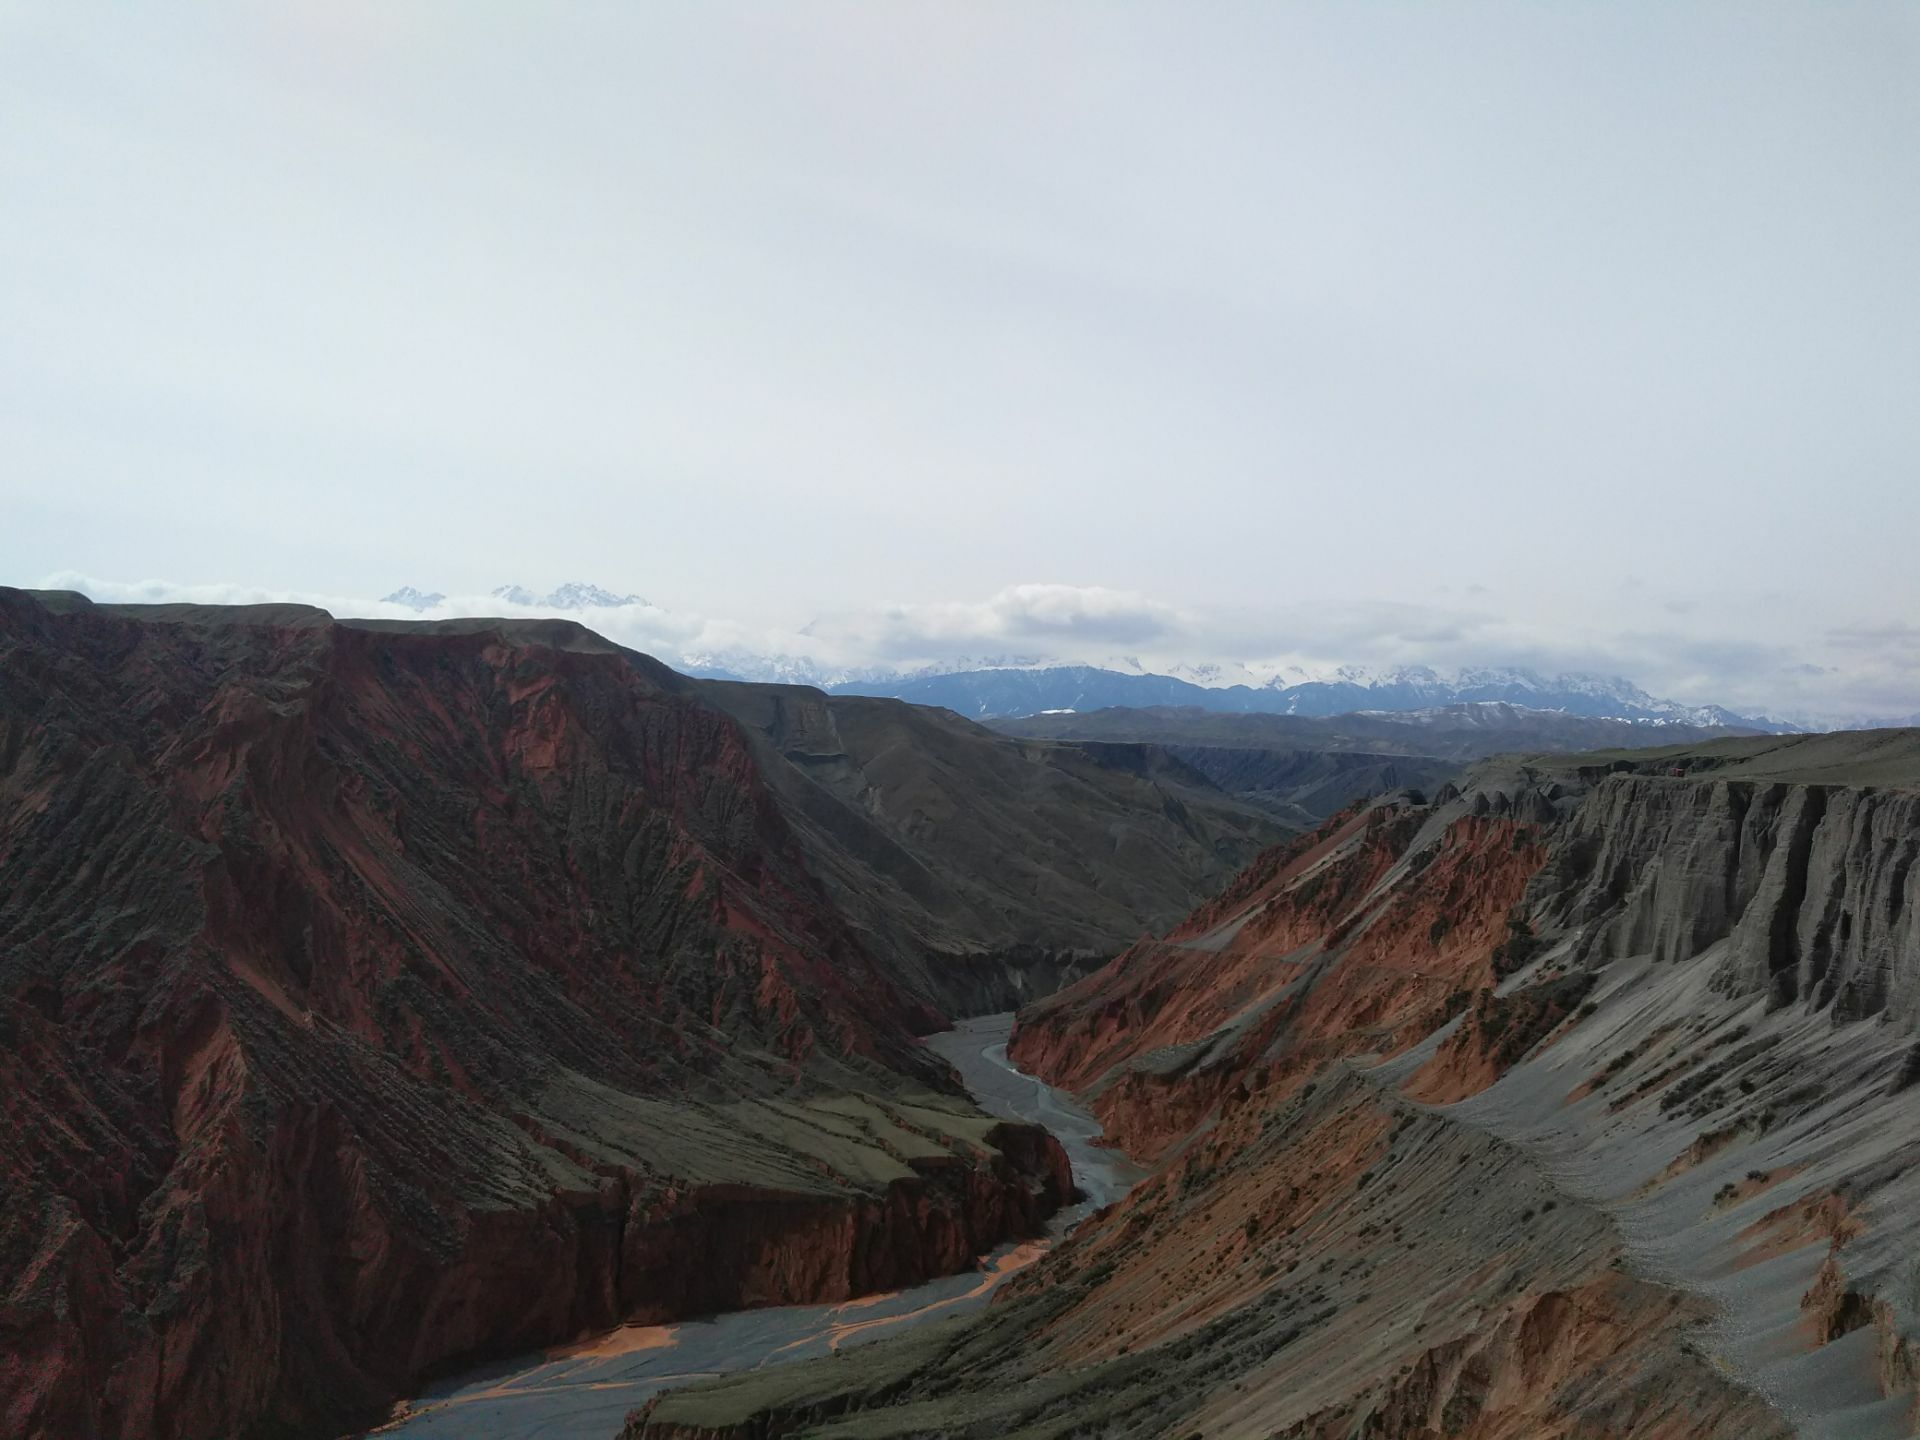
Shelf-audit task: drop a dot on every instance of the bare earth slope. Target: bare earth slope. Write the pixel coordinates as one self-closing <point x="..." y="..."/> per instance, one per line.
<point x="373" y="998"/>
<point x="1575" y="1103"/>
<point x="1306" y="787"/>
<point x="990" y="869"/>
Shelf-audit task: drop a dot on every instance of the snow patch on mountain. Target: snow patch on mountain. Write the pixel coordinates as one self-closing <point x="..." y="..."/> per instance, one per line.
<point x="786" y="669"/>
<point x="574" y="595"/>
<point x="413" y="599"/>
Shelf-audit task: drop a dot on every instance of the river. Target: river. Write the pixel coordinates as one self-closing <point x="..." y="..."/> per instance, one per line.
<point x="584" y="1391"/>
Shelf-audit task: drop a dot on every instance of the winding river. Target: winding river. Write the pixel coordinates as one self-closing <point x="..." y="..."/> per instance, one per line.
<point x="584" y="1391"/>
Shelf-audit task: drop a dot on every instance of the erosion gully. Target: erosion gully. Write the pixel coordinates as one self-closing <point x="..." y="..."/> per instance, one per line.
<point x="584" y="1391"/>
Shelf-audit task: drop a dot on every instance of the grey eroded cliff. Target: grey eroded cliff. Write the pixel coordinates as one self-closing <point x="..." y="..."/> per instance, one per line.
<point x="1798" y="853"/>
<point x="1813" y="886"/>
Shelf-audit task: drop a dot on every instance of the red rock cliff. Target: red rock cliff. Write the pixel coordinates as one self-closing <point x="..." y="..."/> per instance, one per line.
<point x="1360" y="937"/>
<point x="373" y="1000"/>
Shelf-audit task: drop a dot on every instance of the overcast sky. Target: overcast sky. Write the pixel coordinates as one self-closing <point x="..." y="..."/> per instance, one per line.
<point x="1581" y="335"/>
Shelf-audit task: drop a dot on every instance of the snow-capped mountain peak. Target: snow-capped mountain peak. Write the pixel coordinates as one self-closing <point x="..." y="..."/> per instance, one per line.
<point x="413" y="599"/>
<point x="579" y="595"/>
<point x="574" y="595"/>
<point x="986" y="692"/>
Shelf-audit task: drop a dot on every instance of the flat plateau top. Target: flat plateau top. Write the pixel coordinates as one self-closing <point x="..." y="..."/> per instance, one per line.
<point x="1888" y="758"/>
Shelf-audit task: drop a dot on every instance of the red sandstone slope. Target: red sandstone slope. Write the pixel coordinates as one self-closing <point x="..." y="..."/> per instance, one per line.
<point x="1359" y="938"/>
<point x="372" y="999"/>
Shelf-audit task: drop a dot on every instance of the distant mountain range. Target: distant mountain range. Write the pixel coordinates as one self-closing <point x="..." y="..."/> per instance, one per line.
<point x="1009" y="693"/>
<point x="574" y="595"/>
<point x="413" y="599"/>
<point x="990" y="687"/>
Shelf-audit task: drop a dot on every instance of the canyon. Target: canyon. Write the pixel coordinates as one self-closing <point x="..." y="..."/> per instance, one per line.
<point x="959" y="721"/>
<point x="379" y="998"/>
<point x="1572" y="1100"/>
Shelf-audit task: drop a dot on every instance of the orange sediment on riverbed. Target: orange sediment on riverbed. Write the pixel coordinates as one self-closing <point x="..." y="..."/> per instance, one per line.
<point x="627" y="1340"/>
<point x="1017" y="1258"/>
<point x="865" y="1302"/>
<point x="835" y="1331"/>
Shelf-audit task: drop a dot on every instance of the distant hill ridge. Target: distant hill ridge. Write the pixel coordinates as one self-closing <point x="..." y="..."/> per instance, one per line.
<point x="1450" y="732"/>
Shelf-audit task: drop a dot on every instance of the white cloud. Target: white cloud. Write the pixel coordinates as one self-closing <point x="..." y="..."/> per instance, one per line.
<point x="1053" y="618"/>
<point x="1863" y="672"/>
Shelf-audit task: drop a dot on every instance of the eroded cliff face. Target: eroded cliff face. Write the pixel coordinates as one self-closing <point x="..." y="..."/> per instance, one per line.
<point x="1577" y="1104"/>
<point x="1813" y="888"/>
<point x="374" y="1000"/>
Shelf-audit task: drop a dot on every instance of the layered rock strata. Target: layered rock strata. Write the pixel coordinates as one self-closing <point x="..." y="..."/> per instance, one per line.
<point x="1576" y="1102"/>
<point x="375" y="1000"/>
